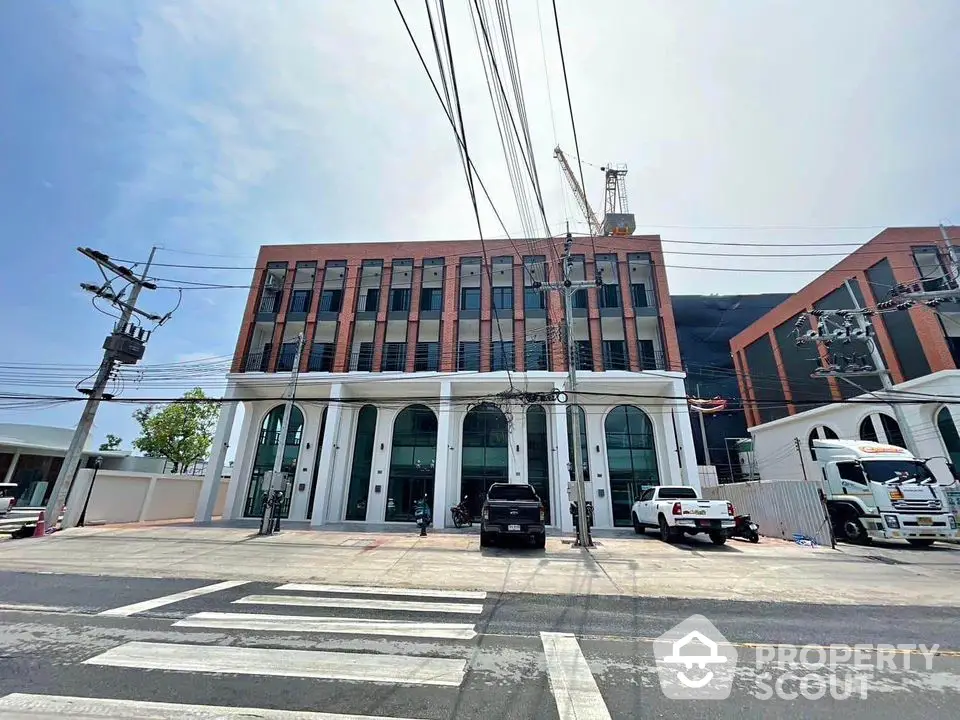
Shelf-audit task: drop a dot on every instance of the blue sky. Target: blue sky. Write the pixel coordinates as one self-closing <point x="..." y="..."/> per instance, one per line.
<point x="212" y="127"/>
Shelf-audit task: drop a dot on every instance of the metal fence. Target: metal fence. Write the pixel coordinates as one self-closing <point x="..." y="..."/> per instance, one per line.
<point x="783" y="509"/>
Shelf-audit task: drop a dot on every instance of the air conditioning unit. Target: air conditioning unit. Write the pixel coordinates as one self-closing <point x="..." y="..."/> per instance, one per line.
<point x="273" y="282"/>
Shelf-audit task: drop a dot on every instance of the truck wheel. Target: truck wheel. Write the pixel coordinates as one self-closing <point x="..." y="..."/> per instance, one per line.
<point x="484" y="539"/>
<point x="637" y="527"/>
<point x="666" y="533"/>
<point x="920" y="542"/>
<point x="853" y="530"/>
<point x="540" y="541"/>
<point x="718" y="538"/>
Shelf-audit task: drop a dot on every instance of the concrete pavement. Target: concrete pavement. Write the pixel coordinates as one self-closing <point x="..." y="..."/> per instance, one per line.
<point x="628" y="566"/>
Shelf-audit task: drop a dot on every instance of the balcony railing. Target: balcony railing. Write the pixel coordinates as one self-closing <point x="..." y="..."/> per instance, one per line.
<point x="257" y="361"/>
<point x="362" y="360"/>
<point x="270" y="302"/>
<point x="288" y="355"/>
<point x="300" y="301"/>
<point x="652" y="360"/>
<point x="321" y="359"/>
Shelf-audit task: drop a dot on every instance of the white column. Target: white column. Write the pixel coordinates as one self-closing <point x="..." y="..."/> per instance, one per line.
<point x="380" y="471"/>
<point x="306" y="457"/>
<point x="327" y="456"/>
<point x="243" y="461"/>
<point x="599" y="471"/>
<point x="340" y="478"/>
<point x="559" y="462"/>
<point x="681" y="416"/>
<point x="517" y="447"/>
<point x="12" y="468"/>
<point x="442" y="472"/>
<point x="211" y="479"/>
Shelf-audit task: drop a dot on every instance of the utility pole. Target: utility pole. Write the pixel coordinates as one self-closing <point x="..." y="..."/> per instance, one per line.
<point x="703" y="431"/>
<point x="125" y="346"/>
<point x="271" y="510"/>
<point x="567" y="288"/>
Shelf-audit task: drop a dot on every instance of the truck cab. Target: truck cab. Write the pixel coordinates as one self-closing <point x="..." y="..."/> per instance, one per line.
<point x="878" y="491"/>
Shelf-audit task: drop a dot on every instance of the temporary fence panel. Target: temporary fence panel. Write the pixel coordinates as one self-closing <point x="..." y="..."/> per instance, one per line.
<point x="784" y="509"/>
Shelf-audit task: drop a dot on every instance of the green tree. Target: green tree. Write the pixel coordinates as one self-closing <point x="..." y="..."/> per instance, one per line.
<point x="113" y="442"/>
<point x="181" y="432"/>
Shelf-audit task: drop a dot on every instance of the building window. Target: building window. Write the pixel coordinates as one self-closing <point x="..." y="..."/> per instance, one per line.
<point x="503" y="298"/>
<point x="267" y="453"/>
<point x="400" y="300"/>
<point x="363" y="359"/>
<point x="468" y="356"/>
<point x="427" y="357"/>
<point x="949" y="435"/>
<point x="362" y="465"/>
<point x="469" y="298"/>
<point x="287" y="357"/>
<point x="431" y="299"/>
<point x="932" y="275"/>
<point x="648" y="356"/>
<point x="413" y="461"/>
<point x="535" y="354"/>
<point x="639" y="293"/>
<point x="609" y="296"/>
<point x="331" y="301"/>
<point x="533" y="299"/>
<point x="321" y="358"/>
<point x="501" y="355"/>
<point x="484" y="458"/>
<point x="820" y="432"/>
<point x="580" y="301"/>
<point x="614" y="355"/>
<point x="270" y="302"/>
<point x="631" y="459"/>
<point x="538" y="456"/>
<point x="300" y="301"/>
<point x="371" y="302"/>
<point x="584" y="355"/>
<point x="394" y="357"/>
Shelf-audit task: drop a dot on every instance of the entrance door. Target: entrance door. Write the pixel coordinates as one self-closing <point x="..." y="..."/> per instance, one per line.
<point x="484" y="460"/>
<point x="632" y="459"/>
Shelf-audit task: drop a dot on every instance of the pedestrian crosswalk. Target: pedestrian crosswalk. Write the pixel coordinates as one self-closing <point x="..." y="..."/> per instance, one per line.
<point x="421" y="640"/>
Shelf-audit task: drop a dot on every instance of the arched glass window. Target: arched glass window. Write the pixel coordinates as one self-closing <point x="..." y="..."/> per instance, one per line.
<point x="267" y="453"/>
<point x="362" y="464"/>
<point x="949" y="434"/>
<point x="316" y="462"/>
<point x="484" y="459"/>
<point x="867" y="431"/>
<point x="584" y="454"/>
<point x="538" y="455"/>
<point x="820" y="432"/>
<point x="890" y="428"/>
<point x="632" y="458"/>
<point x="413" y="461"/>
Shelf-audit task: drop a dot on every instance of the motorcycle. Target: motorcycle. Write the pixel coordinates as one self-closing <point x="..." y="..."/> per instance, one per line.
<point x="461" y="514"/>
<point x="745" y="528"/>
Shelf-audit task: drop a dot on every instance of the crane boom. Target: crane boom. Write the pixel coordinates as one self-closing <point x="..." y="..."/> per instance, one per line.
<point x="592" y="221"/>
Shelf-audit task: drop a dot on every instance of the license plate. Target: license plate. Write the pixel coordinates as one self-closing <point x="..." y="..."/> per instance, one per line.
<point x="513" y="528"/>
<point x="924" y="521"/>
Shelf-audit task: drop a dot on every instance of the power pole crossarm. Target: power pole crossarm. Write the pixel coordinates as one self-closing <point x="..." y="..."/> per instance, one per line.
<point x="122" y="346"/>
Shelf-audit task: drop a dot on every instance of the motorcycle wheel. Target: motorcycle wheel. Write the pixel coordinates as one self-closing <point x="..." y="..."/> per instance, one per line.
<point x="754" y="537"/>
<point x="457" y="520"/>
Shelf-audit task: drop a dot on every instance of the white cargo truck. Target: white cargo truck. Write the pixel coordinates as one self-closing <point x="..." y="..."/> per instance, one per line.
<point x="877" y="491"/>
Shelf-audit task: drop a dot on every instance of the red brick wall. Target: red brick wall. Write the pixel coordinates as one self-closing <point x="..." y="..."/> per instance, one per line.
<point x="453" y="251"/>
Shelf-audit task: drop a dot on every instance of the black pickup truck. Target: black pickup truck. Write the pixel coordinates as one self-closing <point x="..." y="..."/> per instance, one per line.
<point x="512" y="510"/>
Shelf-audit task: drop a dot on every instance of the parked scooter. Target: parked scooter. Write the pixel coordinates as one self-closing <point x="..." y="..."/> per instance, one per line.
<point x="461" y="514"/>
<point x="745" y="528"/>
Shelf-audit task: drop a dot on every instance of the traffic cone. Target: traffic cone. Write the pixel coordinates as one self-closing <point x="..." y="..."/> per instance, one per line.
<point x="41" y="529"/>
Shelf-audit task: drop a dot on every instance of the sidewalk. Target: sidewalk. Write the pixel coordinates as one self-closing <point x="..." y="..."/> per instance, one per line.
<point x="773" y="570"/>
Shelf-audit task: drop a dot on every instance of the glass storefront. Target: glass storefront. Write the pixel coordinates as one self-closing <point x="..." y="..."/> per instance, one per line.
<point x="267" y="453"/>
<point x="484" y="460"/>
<point x="413" y="462"/>
<point x="316" y="463"/>
<point x="632" y="459"/>
<point x="538" y="455"/>
<point x="362" y="464"/>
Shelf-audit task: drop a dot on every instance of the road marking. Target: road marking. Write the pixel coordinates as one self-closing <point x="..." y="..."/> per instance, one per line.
<point x="571" y="681"/>
<point x="345" y="626"/>
<point x="135" y="608"/>
<point x="361" y="604"/>
<point x="25" y="706"/>
<point x="367" y="590"/>
<point x="366" y="667"/>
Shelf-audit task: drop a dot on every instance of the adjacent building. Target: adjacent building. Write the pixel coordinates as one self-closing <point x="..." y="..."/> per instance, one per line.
<point x="409" y="348"/>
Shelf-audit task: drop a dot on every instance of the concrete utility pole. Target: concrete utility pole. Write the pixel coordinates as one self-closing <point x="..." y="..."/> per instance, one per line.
<point x="567" y="288"/>
<point x="703" y="432"/>
<point x="125" y="345"/>
<point x="276" y="476"/>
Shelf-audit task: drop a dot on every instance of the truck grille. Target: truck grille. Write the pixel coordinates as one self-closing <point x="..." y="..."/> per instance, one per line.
<point x="931" y="505"/>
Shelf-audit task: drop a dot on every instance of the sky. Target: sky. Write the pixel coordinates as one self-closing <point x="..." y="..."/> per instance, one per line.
<point x="210" y="127"/>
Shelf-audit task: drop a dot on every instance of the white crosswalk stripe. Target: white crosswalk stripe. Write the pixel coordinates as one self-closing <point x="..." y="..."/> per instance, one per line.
<point x="362" y="604"/>
<point x="400" y="592"/>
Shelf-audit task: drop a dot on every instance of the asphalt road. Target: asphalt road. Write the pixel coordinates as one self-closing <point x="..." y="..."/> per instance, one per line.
<point x="438" y="656"/>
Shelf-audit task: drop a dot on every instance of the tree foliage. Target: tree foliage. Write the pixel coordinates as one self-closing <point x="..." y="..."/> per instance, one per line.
<point x="113" y="442"/>
<point x="181" y="432"/>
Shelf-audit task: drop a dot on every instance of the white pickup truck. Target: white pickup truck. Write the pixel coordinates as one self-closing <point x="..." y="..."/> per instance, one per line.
<point x="6" y="497"/>
<point x="678" y="509"/>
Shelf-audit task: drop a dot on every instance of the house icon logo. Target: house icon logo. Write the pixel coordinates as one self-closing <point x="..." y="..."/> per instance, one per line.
<point x="694" y="661"/>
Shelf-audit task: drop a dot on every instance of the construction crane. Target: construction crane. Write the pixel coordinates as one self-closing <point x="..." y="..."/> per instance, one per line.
<point x="617" y="220"/>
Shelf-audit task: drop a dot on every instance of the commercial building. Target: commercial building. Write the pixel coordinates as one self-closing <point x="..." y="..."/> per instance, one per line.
<point x="920" y="346"/>
<point x="775" y="372"/>
<point x="408" y="350"/>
